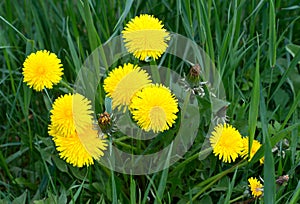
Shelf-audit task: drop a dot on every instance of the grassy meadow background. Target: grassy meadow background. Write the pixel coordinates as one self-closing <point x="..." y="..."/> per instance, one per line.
<point x="253" y="44"/>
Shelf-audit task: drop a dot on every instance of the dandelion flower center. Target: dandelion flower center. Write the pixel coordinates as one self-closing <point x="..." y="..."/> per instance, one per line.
<point x="71" y="113"/>
<point x="144" y="36"/>
<point x="154" y="108"/>
<point x="158" y="117"/>
<point x="226" y="142"/>
<point x="42" y="70"/>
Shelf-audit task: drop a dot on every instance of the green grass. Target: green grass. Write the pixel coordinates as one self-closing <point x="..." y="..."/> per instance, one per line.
<point x="253" y="46"/>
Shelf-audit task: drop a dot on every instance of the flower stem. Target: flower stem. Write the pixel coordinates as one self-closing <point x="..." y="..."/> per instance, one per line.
<point x="65" y="84"/>
<point x="126" y="145"/>
<point x="236" y="199"/>
<point x="209" y="182"/>
<point x="154" y="72"/>
<point x="47" y="94"/>
<point x="188" y="160"/>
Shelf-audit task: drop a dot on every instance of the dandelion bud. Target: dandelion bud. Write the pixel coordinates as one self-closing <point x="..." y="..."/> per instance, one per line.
<point x="194" y="74"/>
<point x="105" y="122"/>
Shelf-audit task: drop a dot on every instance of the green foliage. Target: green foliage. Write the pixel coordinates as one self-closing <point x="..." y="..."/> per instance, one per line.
<point x="255" y="46"/>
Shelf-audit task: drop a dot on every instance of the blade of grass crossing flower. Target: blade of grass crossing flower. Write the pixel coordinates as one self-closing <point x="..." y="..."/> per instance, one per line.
<point x="275" y="139"/>
<point x="269" y="170"/>
<point x="272" y="34"/>
<point x="254" y="103"/>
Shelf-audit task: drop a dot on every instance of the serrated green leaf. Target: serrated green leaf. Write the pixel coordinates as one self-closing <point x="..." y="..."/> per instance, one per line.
<point x="78" y="172"/>
<point x="60" y="164"/>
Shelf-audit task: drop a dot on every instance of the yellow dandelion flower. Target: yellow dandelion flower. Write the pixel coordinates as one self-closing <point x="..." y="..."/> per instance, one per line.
<point x="226" y="142"/>
<point x="154" y="108"/>
<point x="70" y="113"/>
<point x="255" y="146"/>
<point x="123" y="82"/>
<point x="41" y="70"/>
<point x="144" y="36"/>
<point x="79" y="149"/>
<point x="256" y="187"/>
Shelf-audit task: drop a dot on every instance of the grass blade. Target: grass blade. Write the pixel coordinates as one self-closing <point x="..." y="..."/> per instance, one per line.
<point x="272" y="34"/>
<point x="285" y="75"/>
<point x="128" y="6"/>
<point x="296" y="195"/>
<point x="269" y="168"/>
<point x="132" y="191"/>
<point x="292" y="110"/>
<point x="230" y="187"/>
<point x="254" y="103"/>
<point x="92" y="33"/>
